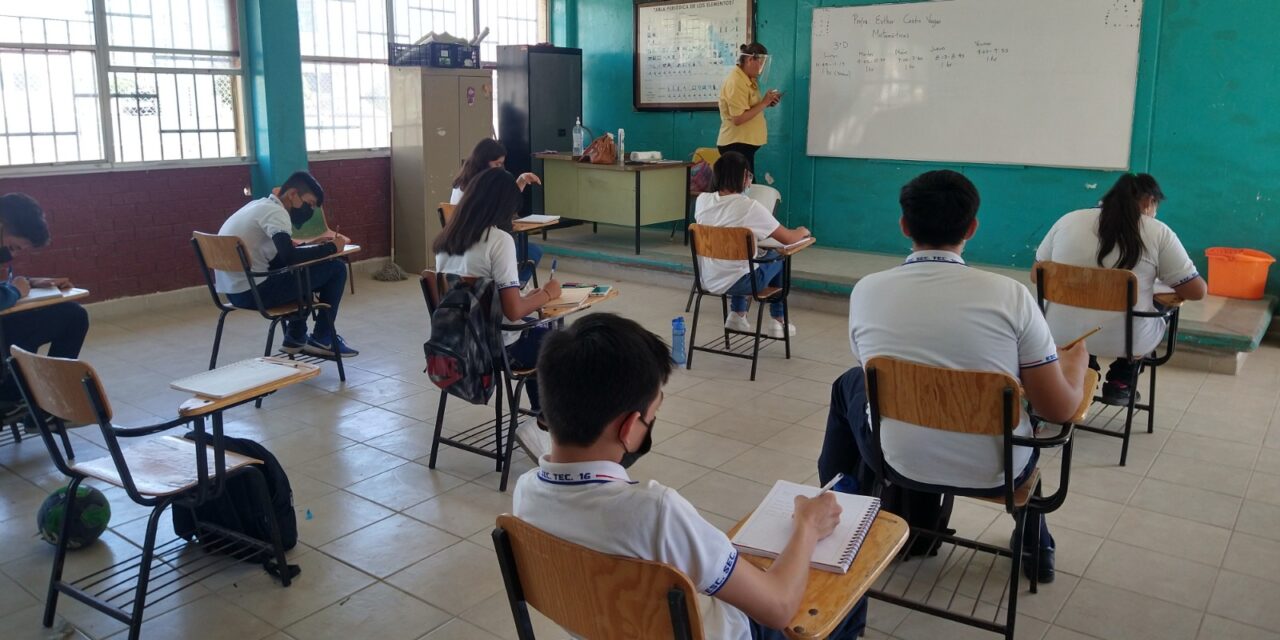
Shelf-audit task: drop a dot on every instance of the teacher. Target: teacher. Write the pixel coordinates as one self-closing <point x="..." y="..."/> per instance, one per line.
<point x="742" y="125"/>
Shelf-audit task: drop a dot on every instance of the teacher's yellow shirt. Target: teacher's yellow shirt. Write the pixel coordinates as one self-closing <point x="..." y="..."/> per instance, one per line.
<point x="739" y="94"/>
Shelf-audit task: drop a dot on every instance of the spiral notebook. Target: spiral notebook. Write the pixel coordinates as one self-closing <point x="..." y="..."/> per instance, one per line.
<point x="768" y="530"/>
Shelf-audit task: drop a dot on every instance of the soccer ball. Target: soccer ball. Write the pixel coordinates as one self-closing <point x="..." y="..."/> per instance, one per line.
<point x="89" y="517"/>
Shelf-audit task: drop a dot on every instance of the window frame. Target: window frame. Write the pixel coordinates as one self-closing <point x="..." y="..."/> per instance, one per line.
<point x="102" y="50"/>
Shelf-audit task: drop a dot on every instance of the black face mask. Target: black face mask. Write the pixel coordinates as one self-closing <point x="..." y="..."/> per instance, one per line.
<point x="5" y="255"/>
<point x="300" y="215"/>
<point x="629" y="457"/>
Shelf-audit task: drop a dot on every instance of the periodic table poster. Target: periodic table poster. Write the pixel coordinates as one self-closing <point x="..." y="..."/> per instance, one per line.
<point x="684" y="50"/>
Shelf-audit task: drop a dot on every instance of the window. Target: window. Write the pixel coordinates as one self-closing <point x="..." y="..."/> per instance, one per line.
<point x="344" y="73"/>
<point x="163" y="84"/>
<point x="508" y="21"/>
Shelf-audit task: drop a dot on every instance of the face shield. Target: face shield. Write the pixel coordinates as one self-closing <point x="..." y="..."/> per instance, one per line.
<point x="762" y="60"/>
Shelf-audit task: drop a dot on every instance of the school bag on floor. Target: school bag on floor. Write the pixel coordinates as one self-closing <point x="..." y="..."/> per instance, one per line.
<point x="238" y="509"/>
<point x="464" y="345"/>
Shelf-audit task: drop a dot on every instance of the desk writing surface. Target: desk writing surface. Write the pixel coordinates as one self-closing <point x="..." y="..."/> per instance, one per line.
<point x="829" y="597"/>
<point x="590" y="302"/>
<point x="346" y="251"/>
<point x="27" y="304"/>
<point x="529" y="227"/>
<point x="200" y="406"/>
<point x="789" y="249"/>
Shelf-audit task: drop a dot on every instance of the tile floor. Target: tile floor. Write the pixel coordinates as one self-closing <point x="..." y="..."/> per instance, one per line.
<point x="1184" y="542"/>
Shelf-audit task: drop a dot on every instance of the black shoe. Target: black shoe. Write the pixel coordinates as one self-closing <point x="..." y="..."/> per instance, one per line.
<point x="1046" y="570"/>
<point x="1118" y="393"/>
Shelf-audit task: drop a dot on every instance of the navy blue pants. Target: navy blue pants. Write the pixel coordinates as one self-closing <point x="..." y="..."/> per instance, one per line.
<point x="523" y="354"/>
<point x="328" y="279"/>
<point x="61" y="326"/>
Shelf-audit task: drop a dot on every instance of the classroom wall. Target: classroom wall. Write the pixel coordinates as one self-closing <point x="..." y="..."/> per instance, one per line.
<point x="128" y="233"/>
<point x="1203" y="127"/>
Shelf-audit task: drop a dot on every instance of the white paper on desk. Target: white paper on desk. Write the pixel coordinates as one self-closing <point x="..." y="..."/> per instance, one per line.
<point x="569" y="298"/>
<point x="538" y="218"/>
<point x="233" y="378"/>
<point x="770" y="243"/>
<point x="40" y="293"/>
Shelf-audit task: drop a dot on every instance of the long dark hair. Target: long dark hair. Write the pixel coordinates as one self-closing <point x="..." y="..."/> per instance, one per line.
<point x="486" y="151"/>
<point x="491" y="200"/>
<point x="1120" y="223"/>
<point x="729" y="173"/>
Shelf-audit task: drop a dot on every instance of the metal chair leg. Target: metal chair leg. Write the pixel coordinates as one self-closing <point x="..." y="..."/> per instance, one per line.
<point x="755" y="348"/>
<point x="266" y="353"/>
<point x="1019" y="523"/>
<point x="217" y="340"/>
<point x="514" y="401"/>
<point x="60" y="555"/>
<point x="1151" y="402"/>
<point x="497" y="425"/>
<point x="144" y="571"/>
<point x="337" y="354"/>
<point x="435" y="438"/>
<point x="724" y="311"/>
<point x="351" y="274"/>
<point x="786" y="327"/>
<point x="1128" y="420"/>
<point x="689" y="303"/>
<point x="693" y="334"/>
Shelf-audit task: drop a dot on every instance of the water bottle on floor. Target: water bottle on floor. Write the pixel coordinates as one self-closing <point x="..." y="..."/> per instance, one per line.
<point x="677" y="342"/>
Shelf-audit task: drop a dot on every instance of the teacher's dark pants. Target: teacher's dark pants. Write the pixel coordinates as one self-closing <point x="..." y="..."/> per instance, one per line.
<point x="748" y="150"/>
<point x="61" y="326"/>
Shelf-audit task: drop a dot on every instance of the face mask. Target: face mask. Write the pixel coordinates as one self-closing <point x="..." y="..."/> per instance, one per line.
<point x="629" y="457"/>
<point x="5" y="254"/>
<point x="300" y="215"/>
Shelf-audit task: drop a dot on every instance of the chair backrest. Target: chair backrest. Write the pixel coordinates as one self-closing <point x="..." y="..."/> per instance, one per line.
<point x="722" y="243"/>
<point x="220" y="253"/>
<point x="708" y="155"/>
<point x="765" y="195"/>
<point x="57" y="387"/>
<point x="939" y="398"/>
<point x="592" y="594"/>
<point x="446" y="212"/>
<point x="1086" y="287"/>
<point x="433" y="287"/>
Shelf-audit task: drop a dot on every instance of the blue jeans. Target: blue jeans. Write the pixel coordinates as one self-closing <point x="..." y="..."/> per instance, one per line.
<point x="849" y="629"/>
<point x="328" y="279"/>
<point x="765" y="275"/>
<point x="523" y="354"/>
<point x="526" y="271"/>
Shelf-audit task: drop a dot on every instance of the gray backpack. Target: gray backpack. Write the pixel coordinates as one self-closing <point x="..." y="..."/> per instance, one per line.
<point x="464" y="352"/>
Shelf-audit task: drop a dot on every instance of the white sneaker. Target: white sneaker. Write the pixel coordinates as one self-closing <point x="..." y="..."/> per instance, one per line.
<point x="737" y="322"/>
<point x="533" y="440"/>
<point x="775" y="329"/>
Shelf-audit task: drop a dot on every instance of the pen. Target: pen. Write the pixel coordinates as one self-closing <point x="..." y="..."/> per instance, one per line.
<point x="827" y="487"/>
<point x="553" y="269"/>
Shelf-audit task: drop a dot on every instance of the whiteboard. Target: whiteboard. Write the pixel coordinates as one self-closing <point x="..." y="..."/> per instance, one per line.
<point x="685" y="49"/>
<point x="1028" y="82"/>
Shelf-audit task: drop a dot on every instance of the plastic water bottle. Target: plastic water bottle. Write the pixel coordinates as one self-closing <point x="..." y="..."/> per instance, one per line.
<point x="622" y="146"/>
<point x="677" y="342"/>
<point x="577" y="136"/>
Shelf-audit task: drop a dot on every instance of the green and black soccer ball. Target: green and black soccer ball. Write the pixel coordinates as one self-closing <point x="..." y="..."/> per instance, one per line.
<point x="89" y="517"/>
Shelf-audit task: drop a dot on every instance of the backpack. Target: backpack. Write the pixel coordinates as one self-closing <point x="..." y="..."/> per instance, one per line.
<point x="700" y="177"/>
<point x="464" y="345"/>
<point x="237" y="507"/>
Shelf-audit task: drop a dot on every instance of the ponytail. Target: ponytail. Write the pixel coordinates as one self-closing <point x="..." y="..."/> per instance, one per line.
<point x="1120" y="223"/>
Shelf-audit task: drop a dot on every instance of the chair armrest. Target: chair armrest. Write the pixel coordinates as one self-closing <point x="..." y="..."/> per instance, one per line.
<point x="1063" y="436"/>
<point x="134" y="432"/>
<point x="273" y="272"/>
<point x="776" y="258"/>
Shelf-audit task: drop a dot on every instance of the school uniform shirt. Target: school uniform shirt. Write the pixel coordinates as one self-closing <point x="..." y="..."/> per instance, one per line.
<point x="493" y="257"/>
<point x="1073" y="240"/>
<point x="255" y="224"/>
<point x="737" y="95"/>
<point x="455" y="196"/>
<point x="596" y="505"/>
<point x="733" y="210"/>
<point x="935" y="310"/>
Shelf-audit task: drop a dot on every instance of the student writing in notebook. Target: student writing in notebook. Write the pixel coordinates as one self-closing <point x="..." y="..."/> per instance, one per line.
<point x="490" y="154"/>
<point x="729" y="206"/>
<point x="935" y="310"/>
<point x="601" y="383"/>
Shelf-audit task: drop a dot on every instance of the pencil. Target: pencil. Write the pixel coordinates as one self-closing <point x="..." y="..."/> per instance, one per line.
<point x="1081" y="338"/>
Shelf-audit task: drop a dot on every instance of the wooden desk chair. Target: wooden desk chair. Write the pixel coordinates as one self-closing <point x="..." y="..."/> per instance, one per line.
<point x="487" y="438"/>
<point x="766" y="196"/>
<point x="446" y="213"/>
<point x="591" y="594"/>
<point x="156" y="472"/>
<point x="734" y="243"/>
<point x="1110" y="290"/>
<point x="227" y="253"/>
<point x="971" y="402"/>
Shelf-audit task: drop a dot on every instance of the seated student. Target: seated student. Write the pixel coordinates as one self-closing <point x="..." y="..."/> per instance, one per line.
<point x="602" y="382"/>
<point x="265" y="226"/>
<point x="476" y="243"/>
<point x="1121" y="233"/>
<point x="490" y="154"/>
<point x="729" y="206"/>
<point x="62" y="326"/>
<point x="934" y="310"/>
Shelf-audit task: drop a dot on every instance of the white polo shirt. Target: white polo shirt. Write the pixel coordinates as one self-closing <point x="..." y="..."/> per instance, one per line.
<point x="493" y="257"/>
<point x="1073" y="240"/>
<point x="455" y="196"/>
<point x="935" y="310"/>
<point x="733" y="210"/>
<point x="596" y="505"/>
<point x="254" y="224"/>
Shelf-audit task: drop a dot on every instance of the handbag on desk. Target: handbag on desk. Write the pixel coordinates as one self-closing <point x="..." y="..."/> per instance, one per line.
<point x="602" y="151"/>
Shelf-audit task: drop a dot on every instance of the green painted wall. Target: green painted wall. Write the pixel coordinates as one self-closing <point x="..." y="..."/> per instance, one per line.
<point x="1203" y="126"/>
<point x="273" y="77"/>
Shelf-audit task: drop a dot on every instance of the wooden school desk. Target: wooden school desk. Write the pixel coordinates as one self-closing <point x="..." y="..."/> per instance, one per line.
<point x="629" y="195"/>
<point x="591" y="301"/>
<point x="829" y="597"/>
<point x="346" y="251"/>
<point x="26" y="304"/>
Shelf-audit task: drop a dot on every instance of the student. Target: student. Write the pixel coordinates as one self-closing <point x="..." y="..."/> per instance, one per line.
<point x="490" y="154"/>
<point x="602" y="382"/>
<point x="1121" y="233"/>
<point x="476" y="243"/>
<point x="742" y="125"/>
<point x="265" y="226"/>
<point x="729" y="206"/>
<point x="935" y="310"/>
<point x="62" y="326"/>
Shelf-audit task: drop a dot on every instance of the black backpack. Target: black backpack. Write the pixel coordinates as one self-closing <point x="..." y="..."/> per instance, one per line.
<point x="237" y="508"/>
<point x="464" y="343"/>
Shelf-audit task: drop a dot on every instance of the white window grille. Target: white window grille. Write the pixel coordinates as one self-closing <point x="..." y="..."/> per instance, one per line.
<point x="344" y="73"/>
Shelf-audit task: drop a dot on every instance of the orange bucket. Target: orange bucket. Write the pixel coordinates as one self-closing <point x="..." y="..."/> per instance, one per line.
<point x="1238" y="273"/>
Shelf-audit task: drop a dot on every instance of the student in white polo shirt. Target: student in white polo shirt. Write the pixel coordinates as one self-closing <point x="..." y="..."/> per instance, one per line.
<point x="601" y="382"/>
<point x="729" y="206"/>
<point x="935" y="310"/>
<point x="490" y="154"/>
<point x="1121" y="233"/>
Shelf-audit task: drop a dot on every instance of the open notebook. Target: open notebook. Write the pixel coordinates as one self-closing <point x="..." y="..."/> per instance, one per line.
<point x="768" y="530"/>
<point x="570" y="298"/>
